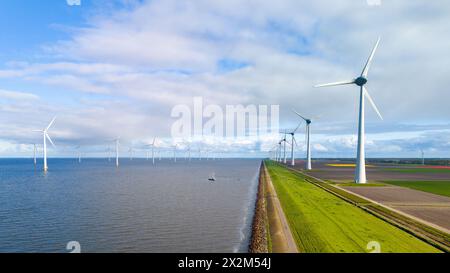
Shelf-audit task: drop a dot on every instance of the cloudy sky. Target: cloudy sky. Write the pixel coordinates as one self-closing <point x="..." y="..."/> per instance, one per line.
<point x="110" y="68"/>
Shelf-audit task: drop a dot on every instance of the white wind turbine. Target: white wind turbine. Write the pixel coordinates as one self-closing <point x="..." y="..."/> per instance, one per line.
<point x="109" y="153"/>
<point x="279" y="151"/>
<point x="79" y="154"/>
<point x="175" y="153"/>
<point x="284" y="147"/>
<point x="360" y="173"/>
<point x="423" y="156"/>
<point x="117" y="141"/>
<point x="46" y="136"/>
<point x="153" y="150"/>
<point x="307" y="140"/>
<point x="34" y="158"/>
<point x="189" y="152"/>
<point x="131" y="153"/>
<point x="293" y="142"/>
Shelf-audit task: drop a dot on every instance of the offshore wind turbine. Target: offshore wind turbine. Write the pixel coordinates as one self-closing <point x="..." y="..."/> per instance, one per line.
<point x="360" y="81"/>
<point x="153" y="150"/>
<point x="189" y="152"/>
<point x="307" y="140"/>
<point x="117" y="140"/>
<point x="34" y="156"/>
<point x="79" y="154"/>
<point x="109" y="153"/>
<point x="46" y="136"/>
<point x="175" y="153"/>
<point x="131" y="152"/>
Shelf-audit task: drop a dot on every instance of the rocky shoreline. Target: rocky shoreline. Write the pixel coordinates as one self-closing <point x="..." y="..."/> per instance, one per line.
<point x="259" y="239"/>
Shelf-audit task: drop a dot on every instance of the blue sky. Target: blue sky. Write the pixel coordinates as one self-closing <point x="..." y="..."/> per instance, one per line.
<point x="110" y="67"/>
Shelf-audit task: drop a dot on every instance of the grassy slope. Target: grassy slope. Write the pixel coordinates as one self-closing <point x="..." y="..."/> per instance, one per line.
<point x="436" y="187"/>
<point x="321" y="222"/>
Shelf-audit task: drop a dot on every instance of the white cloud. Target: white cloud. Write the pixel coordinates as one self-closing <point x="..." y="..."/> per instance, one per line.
<point x="17" y="96"/>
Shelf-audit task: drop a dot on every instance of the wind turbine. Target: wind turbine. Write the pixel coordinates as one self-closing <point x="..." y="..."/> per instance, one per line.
<point x="117" y="140"/>
<point x="189" y="152"/>
<point x="34" y="157"/>
<point x="109" y="153"/>
<point x="360" y="173"/>
<point x="293" y="142"/>
<point x="175" y="153"/>
<point x="308" y="140"/>
<point x="46" y="136"/>
<point x="279" y="151"/>
<point x="153" y="150"/>
<point x="423" y="156"/>
<point x="131" y="153"/>
<point x="79" y="154"/>
<point x="284" y="147"/>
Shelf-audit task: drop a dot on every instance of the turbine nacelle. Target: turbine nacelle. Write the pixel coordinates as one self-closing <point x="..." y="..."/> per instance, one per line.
<point x="360" y="81"/>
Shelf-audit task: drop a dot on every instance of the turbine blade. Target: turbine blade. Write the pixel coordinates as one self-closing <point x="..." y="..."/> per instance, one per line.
<point x="305" y="119"/>
<point x="335" y="83"/>
<point x="365" y="71"/>
<point x="366" y="93"/>
<point x="49" y="139"/>
<point x="50" y="124"/>
<point x="300" y="124"/>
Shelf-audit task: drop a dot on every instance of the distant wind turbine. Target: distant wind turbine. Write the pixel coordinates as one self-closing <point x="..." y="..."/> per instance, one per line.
<point x="117" y="140"/>
<point x="423" y="156"/>
<point x="34" y="158"/>
<point x="46" y="136"/>
<point x="175" y="153"/>
<point x="79" y="154"/>
<point x="153" y="151"/>
<point x="131" y="152"/>
<point x="284" y="147"/>
<point x="360" y="173"/>
<point x="293" y="142"/>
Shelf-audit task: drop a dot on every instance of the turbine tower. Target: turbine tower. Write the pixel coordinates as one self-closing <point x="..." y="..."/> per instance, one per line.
<point x="79" y="154"/>
<point x="46" y="136"/>
<point x="131" y="153"/>
<point x="34" y="158"/>
<point x="307" y="140"/>
<point x="153" y="150"/>
<point x="293" y="142"/>
<point x="360" y="172"/>
<point x="175" y="153"/>
<point x="284" y="147"/>
<point x="117" y="140"/>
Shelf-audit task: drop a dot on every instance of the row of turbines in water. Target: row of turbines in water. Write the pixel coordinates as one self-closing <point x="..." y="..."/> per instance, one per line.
<point x="202" y="154"/>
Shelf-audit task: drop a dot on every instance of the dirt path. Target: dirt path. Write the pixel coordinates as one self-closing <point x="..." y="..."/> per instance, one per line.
<point x="280" y="233"/>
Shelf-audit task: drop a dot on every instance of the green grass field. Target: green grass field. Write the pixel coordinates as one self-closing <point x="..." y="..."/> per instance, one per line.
<point x="322" y="222"/>
<point x="436" y="187"/>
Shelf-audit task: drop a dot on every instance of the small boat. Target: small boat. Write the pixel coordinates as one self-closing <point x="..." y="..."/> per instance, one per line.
<point x="212" y="178"/>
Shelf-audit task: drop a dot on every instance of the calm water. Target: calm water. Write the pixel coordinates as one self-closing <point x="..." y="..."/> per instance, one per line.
<point x="171" y="207"/>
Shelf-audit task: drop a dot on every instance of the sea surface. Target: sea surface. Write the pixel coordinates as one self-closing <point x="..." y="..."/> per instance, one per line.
<point x="138" y="207"/>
